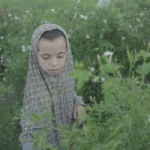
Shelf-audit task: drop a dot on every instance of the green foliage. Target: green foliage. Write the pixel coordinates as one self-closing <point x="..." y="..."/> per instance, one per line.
<point x="121" y="120"/>
<point x="81" y="74"/>
<point x="9" y="124"/>
<point x="143" y="69"/>
<point x="111" y="47"/>
<point x="40" y="140"/>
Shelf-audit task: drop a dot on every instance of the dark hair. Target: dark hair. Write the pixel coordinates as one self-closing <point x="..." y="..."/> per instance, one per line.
<point x="51" y="35"/>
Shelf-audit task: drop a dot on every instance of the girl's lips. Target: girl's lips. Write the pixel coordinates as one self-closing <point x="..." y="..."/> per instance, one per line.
<point x="55" y="70"/>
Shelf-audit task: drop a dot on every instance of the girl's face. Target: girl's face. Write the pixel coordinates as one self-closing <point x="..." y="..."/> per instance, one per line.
<point x="52" y="54"/>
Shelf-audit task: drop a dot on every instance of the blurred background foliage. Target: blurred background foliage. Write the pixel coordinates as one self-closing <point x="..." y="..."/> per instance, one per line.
<point x="119" y="28"/>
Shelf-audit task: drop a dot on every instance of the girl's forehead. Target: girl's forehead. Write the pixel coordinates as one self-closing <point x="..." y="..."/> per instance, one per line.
<point x="52" y="51"/>
<point x="59" y="41"/>
<point x="55" y="46"/>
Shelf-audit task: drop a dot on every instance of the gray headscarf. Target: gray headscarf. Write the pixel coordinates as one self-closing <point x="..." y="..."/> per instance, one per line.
<point x="43" y="92"/>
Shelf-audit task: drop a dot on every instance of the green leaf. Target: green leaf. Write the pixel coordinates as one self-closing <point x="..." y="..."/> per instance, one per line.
<point x="81" y="75"/>
<point x="110" y="68"/>
<point x="36" y="117"/>
<point x="144" y="54"/>
<point x="143" y="69"/>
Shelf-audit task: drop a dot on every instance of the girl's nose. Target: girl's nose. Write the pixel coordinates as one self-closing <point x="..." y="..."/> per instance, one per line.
<point x="54" y="62"/>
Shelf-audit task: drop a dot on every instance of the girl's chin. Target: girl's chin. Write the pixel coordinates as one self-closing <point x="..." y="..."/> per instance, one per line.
<point x="54" y="72"/>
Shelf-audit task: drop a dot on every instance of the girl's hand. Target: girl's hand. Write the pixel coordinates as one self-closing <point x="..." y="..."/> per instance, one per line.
<point x="78" y="111"/>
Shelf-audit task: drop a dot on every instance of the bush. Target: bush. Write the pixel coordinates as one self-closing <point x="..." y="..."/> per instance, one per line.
<point x="120" y="29"/>
<point x="122" y="119"/>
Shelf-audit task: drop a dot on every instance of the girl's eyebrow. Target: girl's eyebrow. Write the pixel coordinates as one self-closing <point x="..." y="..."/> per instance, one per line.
<point x="50" y="54"/>
<point x="61" y="53"/>
<point x="45" y="54"/>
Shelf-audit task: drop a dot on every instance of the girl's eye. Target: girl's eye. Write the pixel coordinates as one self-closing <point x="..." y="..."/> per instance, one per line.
<point x="46" y="58"/>
<point x="60" y="56"/>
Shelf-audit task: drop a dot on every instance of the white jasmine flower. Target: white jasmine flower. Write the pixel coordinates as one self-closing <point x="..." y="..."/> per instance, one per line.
<point x="95" y="79"/>
<point x="105" y="21"/>
<point x="108" y="53"/>
<point x="96" y="48"/>
<point x="85" y="17"/>
<point x="23" y="48"/>
<point x="115" y="59"/>
<point x="1" y="37"/>
<point x="9" y="15"/>
<point x="1" y="59"/>
<point x="78" y="1"/>
<point x="27" y="11"/>
<point x="130" y="26"/>
<point x="75" y="15"/>
<point x="16" y="18"/>
<point x="103" y="79"/>
<point x="98" y="57"/>
<point x="53" y="10"/>
<point x="92" y="69"/>
<point x="9" y="61"/>
<point x="4" y="78"/>
<point x="82" y="16"/>
<point x="23" y="38"/>
<point x="149" y="118"/>
<point x="123" y="38"/>
<point x="102" y="3"/>
<point x="47" y="22"/>
<point x="87" y="36"/>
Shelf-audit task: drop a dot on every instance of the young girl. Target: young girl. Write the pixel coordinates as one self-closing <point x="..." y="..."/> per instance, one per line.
<point x="50" y="64"/>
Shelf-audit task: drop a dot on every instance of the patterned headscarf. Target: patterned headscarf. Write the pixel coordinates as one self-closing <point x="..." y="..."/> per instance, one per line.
<point x="43" y="92"/>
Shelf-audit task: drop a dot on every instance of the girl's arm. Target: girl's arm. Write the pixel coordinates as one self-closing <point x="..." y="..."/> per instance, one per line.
<point x="28" y="146"/>
<point x="78" y="108"/>
<point x="78" y="100"/>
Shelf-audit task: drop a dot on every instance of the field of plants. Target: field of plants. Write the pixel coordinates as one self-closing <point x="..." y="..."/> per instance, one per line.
<point x="110" y="42"/>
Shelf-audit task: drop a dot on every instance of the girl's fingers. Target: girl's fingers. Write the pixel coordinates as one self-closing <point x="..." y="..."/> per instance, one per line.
<point x="72" y="145"/>
<point x="74" y="114"/>
<point x="80" y="124"/>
